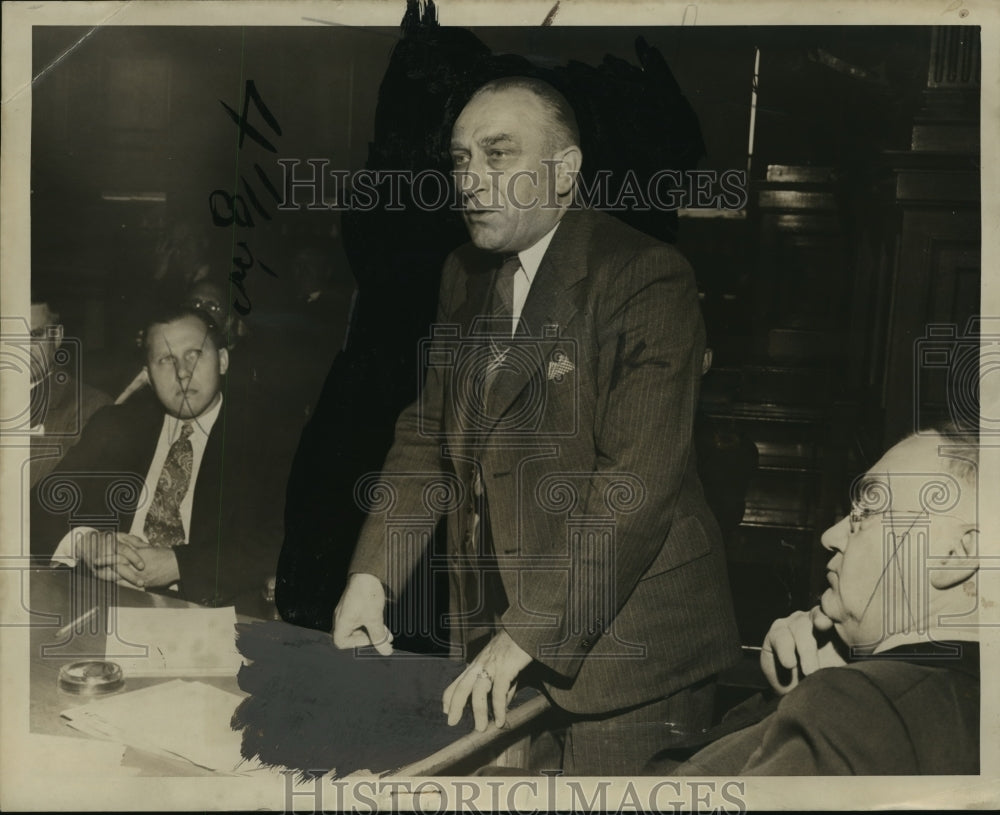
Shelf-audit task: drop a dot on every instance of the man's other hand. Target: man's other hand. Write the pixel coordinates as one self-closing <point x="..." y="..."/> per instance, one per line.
<point x="798" y="645"/>
<point x="359" y="618"/>
<point x="160" y="567"/>
<point x="492" y="674"/>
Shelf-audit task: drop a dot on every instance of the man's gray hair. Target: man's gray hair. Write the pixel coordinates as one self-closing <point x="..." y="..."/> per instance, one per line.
<point x="961" y="445"/>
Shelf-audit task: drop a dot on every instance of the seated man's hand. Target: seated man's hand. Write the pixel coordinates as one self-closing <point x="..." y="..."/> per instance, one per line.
<point x="159" y="563"/>
<point x="798" y="645"/>
<point x="359" y="618"/>
<point x="112" y="556"/>
<point x="493" y="673"/>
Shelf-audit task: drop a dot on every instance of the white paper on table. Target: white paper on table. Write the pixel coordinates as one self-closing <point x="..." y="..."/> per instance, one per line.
<point x="65" y="757"/>
<point x="177" y="641"/>
<point x="189" y="720"/>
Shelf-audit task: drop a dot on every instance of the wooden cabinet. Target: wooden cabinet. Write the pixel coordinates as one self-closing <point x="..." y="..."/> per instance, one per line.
<point x="857" y="294"/>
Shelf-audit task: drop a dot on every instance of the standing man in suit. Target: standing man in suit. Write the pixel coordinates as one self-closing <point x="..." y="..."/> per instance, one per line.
<point x="176" y="476"/>
<point x="61" y="404"/>
<point x="554" y="427"/>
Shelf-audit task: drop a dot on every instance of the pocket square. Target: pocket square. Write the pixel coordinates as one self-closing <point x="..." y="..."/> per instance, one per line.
<point x="559" y="366"/>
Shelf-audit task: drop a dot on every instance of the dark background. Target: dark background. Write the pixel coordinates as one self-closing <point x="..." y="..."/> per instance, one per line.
<point x="861" y="229"/>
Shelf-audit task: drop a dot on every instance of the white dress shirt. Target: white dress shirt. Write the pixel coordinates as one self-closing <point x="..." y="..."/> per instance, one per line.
<point x="531" y="259"/>
<point x="169" y="432"/>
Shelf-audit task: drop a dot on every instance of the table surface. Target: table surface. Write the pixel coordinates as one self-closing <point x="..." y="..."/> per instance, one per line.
<point x="61" y="596"/>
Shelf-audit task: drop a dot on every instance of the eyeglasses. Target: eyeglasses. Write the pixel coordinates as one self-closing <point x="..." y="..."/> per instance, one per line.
<point x="859" y="513"/>
<point x="206" y="305"/>
<point x="46" y="332"/>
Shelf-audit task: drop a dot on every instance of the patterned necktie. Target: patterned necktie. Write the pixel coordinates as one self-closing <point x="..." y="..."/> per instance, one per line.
<point x="501" y="317"/>
<point x="163" y="523"/>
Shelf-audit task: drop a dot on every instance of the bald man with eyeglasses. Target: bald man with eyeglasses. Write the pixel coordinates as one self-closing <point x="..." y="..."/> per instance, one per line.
<point x="882" y="676"/>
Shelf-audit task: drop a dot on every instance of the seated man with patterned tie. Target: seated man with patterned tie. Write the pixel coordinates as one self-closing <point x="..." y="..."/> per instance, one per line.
<point x="173" y="489"/>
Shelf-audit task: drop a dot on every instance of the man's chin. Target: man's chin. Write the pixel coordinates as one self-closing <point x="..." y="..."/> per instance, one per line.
<point x="185" y="411"/>
<point x="829" y="606"/>
<point x="484" y="237"/>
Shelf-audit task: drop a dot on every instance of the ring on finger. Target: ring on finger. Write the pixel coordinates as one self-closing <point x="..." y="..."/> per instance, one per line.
<point x="484" y="675"/>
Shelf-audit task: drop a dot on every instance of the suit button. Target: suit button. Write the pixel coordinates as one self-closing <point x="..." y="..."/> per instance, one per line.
<point x="585" y="643"/>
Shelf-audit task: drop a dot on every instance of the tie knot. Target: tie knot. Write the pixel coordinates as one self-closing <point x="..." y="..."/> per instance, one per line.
<point x="511" y="263"/>
<point x="186" y="431"/>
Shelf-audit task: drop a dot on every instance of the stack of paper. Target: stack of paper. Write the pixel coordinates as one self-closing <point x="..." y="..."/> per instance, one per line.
<point x="185" y="642"/>
<point x="177" y="719"/>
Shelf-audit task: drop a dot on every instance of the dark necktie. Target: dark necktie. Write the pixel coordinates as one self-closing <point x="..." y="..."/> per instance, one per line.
<point x="503" y="294"/>
<point x="163" y="523"/>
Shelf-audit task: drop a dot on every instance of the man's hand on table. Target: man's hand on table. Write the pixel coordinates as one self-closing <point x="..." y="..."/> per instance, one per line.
<point x="359" y="618"/>
<point x="800" y="644"/>
<point x="126" y="559"/>
<point x="160" y="563"/>
<point x="111" y="556"/>
<point x="492" y="673"/>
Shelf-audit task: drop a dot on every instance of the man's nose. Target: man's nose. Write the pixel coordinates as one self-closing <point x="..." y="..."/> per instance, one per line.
<point x="184" y="369"/>
<point x="474" y="178"/>
<point x="835" y="538"/>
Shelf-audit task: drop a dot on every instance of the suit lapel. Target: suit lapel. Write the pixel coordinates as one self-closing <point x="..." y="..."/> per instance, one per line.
<point x="550" y="306"/>
<point x="207" y="500"/>
<point x="477" y="289"/>
<point x="137" y="439"/>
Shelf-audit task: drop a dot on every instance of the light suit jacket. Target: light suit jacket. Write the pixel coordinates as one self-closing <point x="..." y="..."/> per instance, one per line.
<point x="611" y="561"/>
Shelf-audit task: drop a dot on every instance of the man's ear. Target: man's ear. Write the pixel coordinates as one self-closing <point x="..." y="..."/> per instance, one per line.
<point x="959" y="564"/>
<point x="570" y="160"/>
<point x="223" y="361"/>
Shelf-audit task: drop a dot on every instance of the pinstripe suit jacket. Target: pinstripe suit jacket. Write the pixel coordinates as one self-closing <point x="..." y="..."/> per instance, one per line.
<point x="611" y="561"/>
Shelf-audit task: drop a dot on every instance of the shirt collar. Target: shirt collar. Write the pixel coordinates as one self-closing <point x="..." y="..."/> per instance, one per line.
<point x="201" y="425"/>
<point x="531" y="258"/>
<point x="957" y="655"/>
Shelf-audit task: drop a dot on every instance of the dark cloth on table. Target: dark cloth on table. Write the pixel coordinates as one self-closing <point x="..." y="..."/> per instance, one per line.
<point x="912" y="710"/>
<point x="315" y="708"/>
